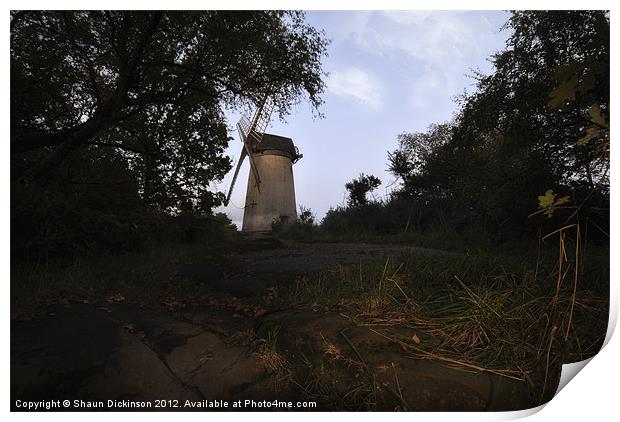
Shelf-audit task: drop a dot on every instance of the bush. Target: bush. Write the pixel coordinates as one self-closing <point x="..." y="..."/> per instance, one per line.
<point x="304" y="228"/>
<point x="381" y="218"/>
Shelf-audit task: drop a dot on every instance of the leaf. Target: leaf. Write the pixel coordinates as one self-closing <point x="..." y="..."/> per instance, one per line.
<point x="415" y="339"/>
<point x="595" y="116"/>
<point x="118" y="297"/>
<point x="564" y="72"/>
<point x="563" y="93"/>
<point x="547" y="203"/>
<point x="561" y="201"/>
<point x="591" y="133"/>
<point x="546" y="200"/>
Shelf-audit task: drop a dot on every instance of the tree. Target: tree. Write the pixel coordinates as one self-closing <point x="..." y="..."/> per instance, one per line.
<point x="152" y="86"/>
<point x="359" y="188"/>
<point x="521" y="100"/>
<point x="538" y="122"/>
<point x="408" y="162"/>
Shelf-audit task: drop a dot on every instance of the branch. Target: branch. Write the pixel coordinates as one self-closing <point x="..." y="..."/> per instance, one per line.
<point x="123" y="147"/>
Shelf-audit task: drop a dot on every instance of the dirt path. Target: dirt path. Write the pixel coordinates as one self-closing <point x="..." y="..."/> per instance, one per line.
<point x="223" y="349"/>
<point x="250" y="273"/>
<point x="308" y="257"/>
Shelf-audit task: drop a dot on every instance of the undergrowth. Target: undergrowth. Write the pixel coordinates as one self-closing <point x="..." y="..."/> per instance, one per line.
<point x="512" y="315"/>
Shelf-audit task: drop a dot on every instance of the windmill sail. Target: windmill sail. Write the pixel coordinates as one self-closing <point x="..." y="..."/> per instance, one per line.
<point x="234" y="179"/>
<point x="250" y="133"/>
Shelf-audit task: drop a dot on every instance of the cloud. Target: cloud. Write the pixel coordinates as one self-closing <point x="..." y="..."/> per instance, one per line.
<point x="433" y="38"/>
<point x="354" y="82"/>
<point x="430" y="53"/>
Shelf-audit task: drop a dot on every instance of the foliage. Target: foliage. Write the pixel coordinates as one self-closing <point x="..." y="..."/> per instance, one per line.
<point x="80" y="212"/>
<point x="151" y="84"/>
<point x="539" y="122"/>
<point x="306" y="217"/>
<point x="408" y="161"/>
<point x="82" y="215"/>
<point x="548" y="203"/>
<point x="134" y="100"/>
<point x="304" y="228"/>
<point x="359" y="188"/>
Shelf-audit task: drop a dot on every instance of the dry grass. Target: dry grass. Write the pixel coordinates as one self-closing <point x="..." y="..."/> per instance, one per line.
<point x="504" y="315"/>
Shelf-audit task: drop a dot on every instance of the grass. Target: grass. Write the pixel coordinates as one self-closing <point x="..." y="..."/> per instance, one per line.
<point x="440" y="237"/>
<point x="504" y="314"/>
<point x="140" y="276"/>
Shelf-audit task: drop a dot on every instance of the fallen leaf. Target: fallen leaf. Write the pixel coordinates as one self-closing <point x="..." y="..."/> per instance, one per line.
<point x="415" y="339"/>
<point x="118" y="297"/>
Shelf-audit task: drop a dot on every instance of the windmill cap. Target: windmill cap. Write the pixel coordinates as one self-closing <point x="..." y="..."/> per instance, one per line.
<point x="278" y="143"/>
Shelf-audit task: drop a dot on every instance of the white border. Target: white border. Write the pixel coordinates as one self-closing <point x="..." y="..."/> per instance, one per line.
<point x="592" y="394"/>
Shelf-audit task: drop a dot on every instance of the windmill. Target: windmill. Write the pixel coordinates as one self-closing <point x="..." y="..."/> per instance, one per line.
<point x="270" y="191"/>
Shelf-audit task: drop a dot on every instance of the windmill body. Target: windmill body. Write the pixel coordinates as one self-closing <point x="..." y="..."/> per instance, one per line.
<point x="273" y="198"/>
<point x="270" y="193"/>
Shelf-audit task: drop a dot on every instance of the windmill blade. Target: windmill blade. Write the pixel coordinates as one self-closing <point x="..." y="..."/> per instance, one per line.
<point x="242" y="128"/>
<point x="234" y="179"/>
<point x="254" y="171"/>
<point x="258" y="113"/>
<point x="264" y="118"/>
<point x="261" y="119"/>
<point x="250" y="132"/>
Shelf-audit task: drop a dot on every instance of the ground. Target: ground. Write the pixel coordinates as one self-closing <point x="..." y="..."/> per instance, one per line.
<point x="240" y="340"/>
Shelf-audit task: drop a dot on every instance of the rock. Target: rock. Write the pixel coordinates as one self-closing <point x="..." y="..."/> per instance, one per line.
<point x="53" y="356"/>
<point x="162" y="331"/>
<point x="220" y="372"/>
<point x="219" y="320"/>
<point x="136" y="371"/>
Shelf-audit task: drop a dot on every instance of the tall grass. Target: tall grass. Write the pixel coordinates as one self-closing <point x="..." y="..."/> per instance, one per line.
<point x="499" y="313"/>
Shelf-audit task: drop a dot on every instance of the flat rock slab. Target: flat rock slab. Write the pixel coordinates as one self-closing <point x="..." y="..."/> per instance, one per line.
<point x="56" y="355"/>
<point x="219" y="371"/>
<point x="136" y="371"/>
<point x="121" y="351"/>
<point x="217" y="320"/>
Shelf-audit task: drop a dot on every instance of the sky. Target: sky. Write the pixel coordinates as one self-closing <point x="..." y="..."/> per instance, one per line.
<point x="389" y="72"/>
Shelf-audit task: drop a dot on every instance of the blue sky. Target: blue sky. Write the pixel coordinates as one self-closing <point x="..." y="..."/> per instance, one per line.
<point x="389" y="72"/>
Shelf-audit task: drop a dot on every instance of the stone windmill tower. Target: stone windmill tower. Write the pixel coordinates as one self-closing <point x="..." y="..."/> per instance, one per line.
<point x="271" y="190"/>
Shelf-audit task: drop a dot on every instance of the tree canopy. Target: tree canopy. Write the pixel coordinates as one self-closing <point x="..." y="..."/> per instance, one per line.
<point x="538" y="122"/>
<point x="360" y="187"/>
<point x="152" y="85"/>
<point x="131" y="103"/>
